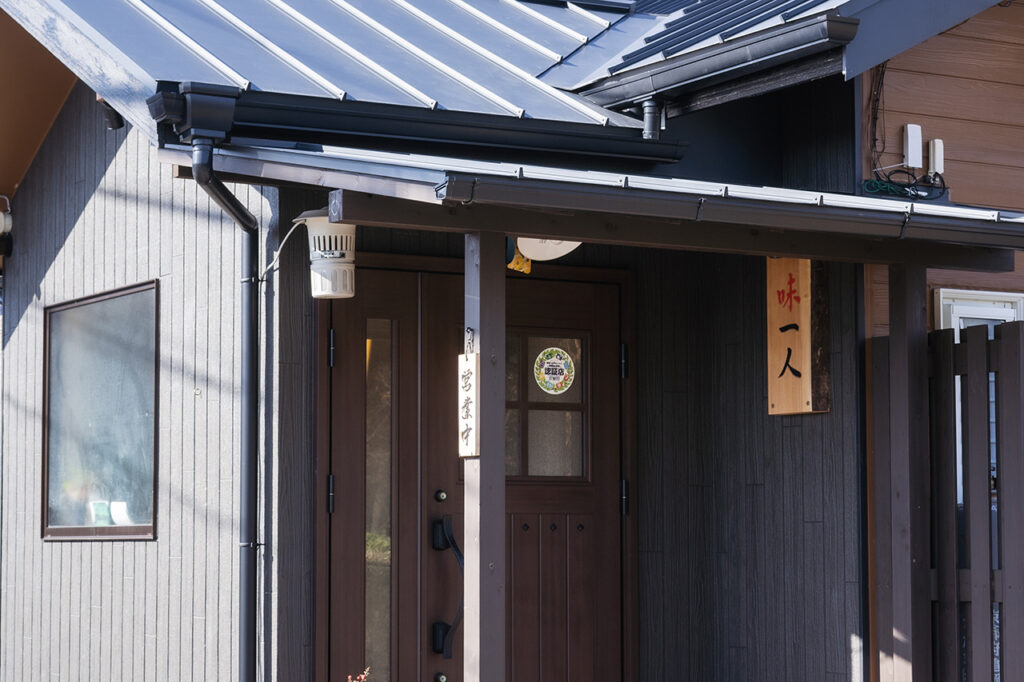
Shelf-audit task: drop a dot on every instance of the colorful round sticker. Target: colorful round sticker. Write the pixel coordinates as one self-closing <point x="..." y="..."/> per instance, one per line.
<point x="554" y="371"/>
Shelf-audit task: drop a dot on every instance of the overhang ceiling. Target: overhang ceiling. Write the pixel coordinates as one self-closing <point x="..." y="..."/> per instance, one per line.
<point x="33" y="87"/>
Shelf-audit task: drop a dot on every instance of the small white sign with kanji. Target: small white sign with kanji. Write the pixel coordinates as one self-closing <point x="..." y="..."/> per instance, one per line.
<point x="468" y="402"/>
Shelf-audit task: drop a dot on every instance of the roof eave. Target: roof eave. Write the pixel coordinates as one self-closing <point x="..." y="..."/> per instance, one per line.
<point x="189" y="110"/>
<point x="732" y="59"/>
<point x="801" y="212"/>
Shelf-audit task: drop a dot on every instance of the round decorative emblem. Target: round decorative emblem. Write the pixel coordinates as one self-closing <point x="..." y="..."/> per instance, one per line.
<point x="554" y="371"/>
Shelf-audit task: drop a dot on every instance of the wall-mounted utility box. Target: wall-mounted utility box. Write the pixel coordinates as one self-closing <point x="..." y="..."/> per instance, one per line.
<point x="912" y="151"/>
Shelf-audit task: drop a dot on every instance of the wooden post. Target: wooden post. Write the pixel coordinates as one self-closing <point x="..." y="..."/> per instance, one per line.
<point x="910" y="474"/>
<point x="1010" y="472"/>
<point x="484" y="633"/>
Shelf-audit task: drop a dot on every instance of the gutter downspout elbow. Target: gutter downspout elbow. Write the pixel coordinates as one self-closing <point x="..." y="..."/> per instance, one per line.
<point x="652" y="120"/>
<point x="202" y="172"/>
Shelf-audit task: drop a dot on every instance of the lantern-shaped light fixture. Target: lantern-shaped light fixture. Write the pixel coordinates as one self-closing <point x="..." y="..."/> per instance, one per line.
<point x="332" y="255"/>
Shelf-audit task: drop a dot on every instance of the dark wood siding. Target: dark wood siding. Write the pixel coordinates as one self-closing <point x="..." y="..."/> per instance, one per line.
<point x="801" y="137"/>
<point x="751" y="528"/>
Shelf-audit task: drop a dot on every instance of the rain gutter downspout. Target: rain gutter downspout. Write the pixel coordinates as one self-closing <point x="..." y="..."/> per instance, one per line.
<point x="202" y="172"/>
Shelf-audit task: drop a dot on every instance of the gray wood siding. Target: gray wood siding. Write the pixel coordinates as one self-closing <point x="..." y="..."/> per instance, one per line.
<point x="95" y="212"/>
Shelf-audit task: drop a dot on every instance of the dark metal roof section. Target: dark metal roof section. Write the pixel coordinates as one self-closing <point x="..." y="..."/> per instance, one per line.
<point x="739" y="56"/>
<point x="706" y="19"/>
<point x="188" y="111"/>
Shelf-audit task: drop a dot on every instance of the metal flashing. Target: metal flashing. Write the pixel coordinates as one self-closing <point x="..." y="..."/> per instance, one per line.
<point x="273" y="116"/>
<point x="740" y="56"/>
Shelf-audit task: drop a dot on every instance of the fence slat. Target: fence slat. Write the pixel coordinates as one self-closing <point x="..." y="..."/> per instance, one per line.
<point x="881" y="488"/>
<point x="910" y="468"/>
<point x="977" y="521"/>
<point x="1010" y="472"/>
<point x="943" y="441"/>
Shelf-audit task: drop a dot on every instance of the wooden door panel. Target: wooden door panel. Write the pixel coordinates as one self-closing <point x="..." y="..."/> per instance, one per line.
<point x="524" y="650"/>
<point x="564" y="546"/>
<point x="583" y="563"/>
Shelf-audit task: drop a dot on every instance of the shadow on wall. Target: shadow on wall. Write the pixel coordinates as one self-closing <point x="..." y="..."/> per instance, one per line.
<point x="58" y="190"/>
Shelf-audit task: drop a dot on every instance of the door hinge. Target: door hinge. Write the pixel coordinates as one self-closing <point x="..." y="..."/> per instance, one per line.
<point x="330" y="493"/>
<point x="623" y="361"/>
<point x="330" y="349"/>
<point x="624" y="499"/>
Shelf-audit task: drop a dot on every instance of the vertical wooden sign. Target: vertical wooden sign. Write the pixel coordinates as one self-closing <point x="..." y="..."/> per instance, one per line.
<point x="469" y="401"/>
<point x="798" y="343"/>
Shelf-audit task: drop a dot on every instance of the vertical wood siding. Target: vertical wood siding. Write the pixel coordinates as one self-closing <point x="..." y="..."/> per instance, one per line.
<point x="96" y="212"/>
<point x="751" y="528"/>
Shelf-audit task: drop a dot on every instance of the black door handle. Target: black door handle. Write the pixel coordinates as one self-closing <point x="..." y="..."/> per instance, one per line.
<point x="442" y="538"/>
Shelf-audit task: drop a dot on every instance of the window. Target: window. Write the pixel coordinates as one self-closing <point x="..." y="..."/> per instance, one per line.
<point x="99" y="427"/>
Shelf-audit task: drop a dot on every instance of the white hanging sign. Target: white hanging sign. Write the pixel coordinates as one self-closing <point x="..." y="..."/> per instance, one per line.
<point x="468" y="402"/>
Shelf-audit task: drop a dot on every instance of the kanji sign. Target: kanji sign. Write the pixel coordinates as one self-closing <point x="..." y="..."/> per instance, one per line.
<point x="468" y="404"/>
<point x="797" y="340"/>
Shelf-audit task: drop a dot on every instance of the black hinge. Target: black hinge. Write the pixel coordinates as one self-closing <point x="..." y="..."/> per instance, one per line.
<point x="623" y="361"/>
<point x="330" y="493"/>
<point x="330" y="350"/>
<point x="624" y="488"/>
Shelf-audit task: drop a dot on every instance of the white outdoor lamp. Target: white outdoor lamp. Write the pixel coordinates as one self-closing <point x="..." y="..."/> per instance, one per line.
<point x="6" y="221"/>
<point x="332" y="255"/>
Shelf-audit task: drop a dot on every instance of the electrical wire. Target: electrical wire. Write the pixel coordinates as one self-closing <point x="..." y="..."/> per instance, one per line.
<point x="903" y="183"/>
<point x="895" y="180"/>
<point x="280" y="248"/>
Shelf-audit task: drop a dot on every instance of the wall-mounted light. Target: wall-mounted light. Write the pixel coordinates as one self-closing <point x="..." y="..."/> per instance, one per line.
<point x="6" y="221"/>
<point x="6" y="225"/>
<point x="332" y="255"/>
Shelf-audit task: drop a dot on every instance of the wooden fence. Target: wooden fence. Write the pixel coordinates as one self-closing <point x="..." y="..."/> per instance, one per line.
<point x="972" y="552"/>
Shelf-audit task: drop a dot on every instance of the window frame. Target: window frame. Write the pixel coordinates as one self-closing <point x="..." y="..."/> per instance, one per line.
<point x="100" y="533"/>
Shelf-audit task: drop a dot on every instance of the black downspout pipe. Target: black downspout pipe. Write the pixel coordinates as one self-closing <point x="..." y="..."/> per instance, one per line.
<point x="202" y="171"/>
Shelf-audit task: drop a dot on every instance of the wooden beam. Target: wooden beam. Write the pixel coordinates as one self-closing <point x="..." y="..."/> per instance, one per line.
<point x="690" y="235"/>
<point x="484" y="638"/>
<point x="909" y="473"/>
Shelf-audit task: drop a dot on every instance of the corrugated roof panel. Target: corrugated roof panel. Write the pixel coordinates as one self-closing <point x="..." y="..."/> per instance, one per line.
<point x="523" y="19"/>
<point x="582" y="21"/>
<point x="480" y="56"/>
<point x="476" y="61"/>
<point x="708" y="22"/>
<point x="152" y="47"/>
<point x="397" y="16"/>
<point x="246" y="54"/>
<point x="385" y="45"/>
<point x="359" y="77"/>
<point x="591" y="61"/>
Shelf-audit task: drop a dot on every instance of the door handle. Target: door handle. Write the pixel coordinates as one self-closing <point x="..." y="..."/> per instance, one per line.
<point x="441" y="539"/>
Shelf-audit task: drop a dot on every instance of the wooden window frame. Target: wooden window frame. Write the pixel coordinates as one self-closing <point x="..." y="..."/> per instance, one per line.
<point x="100" y="533"/>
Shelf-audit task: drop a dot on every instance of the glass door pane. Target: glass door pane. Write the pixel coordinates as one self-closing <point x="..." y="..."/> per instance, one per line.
<point x="379" y="447"/>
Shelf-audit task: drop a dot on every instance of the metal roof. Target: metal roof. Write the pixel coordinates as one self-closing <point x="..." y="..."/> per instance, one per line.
<point x="435" y="180"/>
<point x="479" y="56"/>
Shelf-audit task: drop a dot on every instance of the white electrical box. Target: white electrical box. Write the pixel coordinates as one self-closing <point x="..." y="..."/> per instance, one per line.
<point x="912" y="150"/>
<point x="936" y="157"/>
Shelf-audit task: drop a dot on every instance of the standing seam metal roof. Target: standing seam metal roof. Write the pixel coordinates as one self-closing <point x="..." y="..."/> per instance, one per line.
<point x="479" y="56"/>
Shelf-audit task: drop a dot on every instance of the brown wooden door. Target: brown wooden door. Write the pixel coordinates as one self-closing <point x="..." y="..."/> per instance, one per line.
<point x="395" y="407"/>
